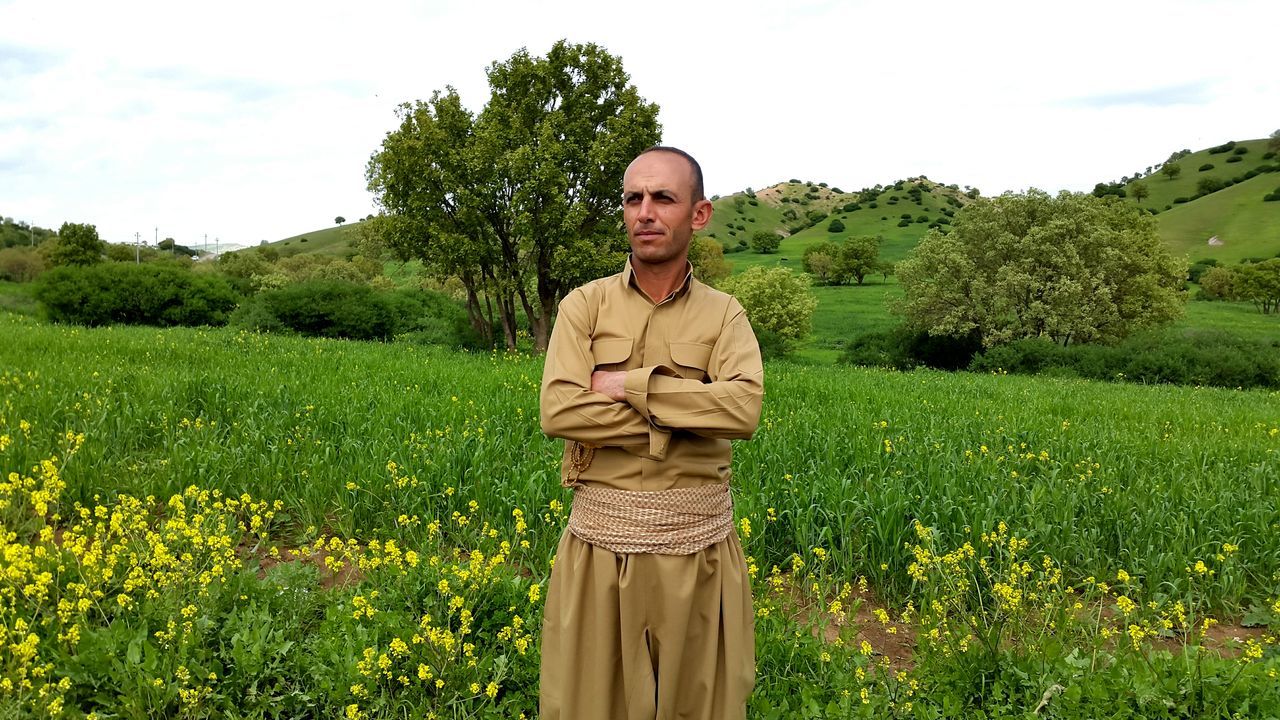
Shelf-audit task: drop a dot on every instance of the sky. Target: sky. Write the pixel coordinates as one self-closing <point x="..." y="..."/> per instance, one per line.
<point x="247" y="121"/>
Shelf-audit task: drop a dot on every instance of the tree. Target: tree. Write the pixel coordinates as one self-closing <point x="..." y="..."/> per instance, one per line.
<point x="820" y="261"/>
<point x="77" y="244"/>
<point x="519" y="202"/>
<point x="765" y="241"/>
<point x="1273" y="145"/>
<point x="1171" y="170"/>
<point x="339" y="220"/>
<point x="1140" y="191"/>
<point x="778" y="302"/>
<point x="857" y="258"/>
<point x="1218" y="283"/>
<point x="707" y="257"/>
<point x="1259" y="283"/>
<point x="1071" y="268"/>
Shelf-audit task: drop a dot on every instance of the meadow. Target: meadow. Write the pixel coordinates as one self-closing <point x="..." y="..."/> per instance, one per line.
<point x="202" y="523"/>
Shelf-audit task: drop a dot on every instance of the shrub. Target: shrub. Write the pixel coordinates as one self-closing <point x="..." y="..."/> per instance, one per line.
<point x="904" y="222"/>
<point x="1202" y="357"/>
<point x="851" y="207"/>
<point x="126" y="293"/>
<point x="835" y="226"/>
<point x="922" y="218"/>
<point x="1206" y="167"/>
<point x="1226" y="147"/>
<point x="336" y="309"/>
<point x="1234" y="159"/>
<point x="753" y="202"/>
<point x="777" y="300"/>
<point x="903" y="348"/>
<point x="20" y="264"/>
<point x="1269" y="155"/>
<point x="1210" y="185"/>
<point x="873" y="206"/>
<point x="1179" y="201"/>
<point x="1240" y="150"/>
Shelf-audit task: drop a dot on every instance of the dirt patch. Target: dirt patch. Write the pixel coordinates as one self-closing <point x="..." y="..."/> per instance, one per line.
<point x="340" y="574"/>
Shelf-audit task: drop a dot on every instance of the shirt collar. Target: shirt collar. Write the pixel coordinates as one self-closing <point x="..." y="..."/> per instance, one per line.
<point x="629" y="277"/>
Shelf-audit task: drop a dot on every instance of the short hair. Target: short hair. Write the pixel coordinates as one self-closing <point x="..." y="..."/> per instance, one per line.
<point x="698" y="191"/>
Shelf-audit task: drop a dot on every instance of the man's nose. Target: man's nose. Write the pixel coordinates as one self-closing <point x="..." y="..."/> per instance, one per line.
<point x="646" y="209"/>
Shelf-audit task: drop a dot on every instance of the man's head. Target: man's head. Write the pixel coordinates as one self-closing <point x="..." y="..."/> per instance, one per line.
<point x="662" y="204"/>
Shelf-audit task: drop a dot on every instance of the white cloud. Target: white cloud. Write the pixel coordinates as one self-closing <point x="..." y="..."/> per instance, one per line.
<point x="252" y="121"/>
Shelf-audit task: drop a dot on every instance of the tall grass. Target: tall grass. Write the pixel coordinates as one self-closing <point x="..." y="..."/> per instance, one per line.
<point x="1100" y="476"/>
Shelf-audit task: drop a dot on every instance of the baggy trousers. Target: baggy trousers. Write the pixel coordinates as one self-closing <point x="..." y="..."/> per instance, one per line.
<point x="647" y="637"/>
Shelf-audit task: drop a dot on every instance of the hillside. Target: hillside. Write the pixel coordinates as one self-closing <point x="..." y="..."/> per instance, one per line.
<point x="900" y="213"/>
<point x="335" y="240"/>
<point x="1237" y="215"/>
<point x="1244" y="224"/>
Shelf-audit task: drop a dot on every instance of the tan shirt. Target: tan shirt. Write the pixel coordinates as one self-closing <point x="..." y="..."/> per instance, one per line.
<point x="694" y="381"/>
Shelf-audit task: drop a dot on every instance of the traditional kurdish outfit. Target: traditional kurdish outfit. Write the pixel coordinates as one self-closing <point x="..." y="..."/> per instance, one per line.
<point x="649" y="608"/>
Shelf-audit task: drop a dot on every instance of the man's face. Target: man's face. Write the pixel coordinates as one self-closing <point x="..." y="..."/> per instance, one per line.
<point x="659" y="210"/>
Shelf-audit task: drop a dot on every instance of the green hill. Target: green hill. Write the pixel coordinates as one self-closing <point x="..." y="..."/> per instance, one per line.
<point x="1236" y="214"/>
<point x="335" y="240"/>
<point x="803" y="213"/>
<point x="1244" y="224"/>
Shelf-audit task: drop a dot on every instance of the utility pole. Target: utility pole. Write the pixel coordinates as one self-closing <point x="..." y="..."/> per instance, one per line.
<point x="217" y="246"/>
<point x="137" y="248"/>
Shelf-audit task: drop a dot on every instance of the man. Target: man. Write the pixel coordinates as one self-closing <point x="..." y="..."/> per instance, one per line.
<point x="648" y="375"/>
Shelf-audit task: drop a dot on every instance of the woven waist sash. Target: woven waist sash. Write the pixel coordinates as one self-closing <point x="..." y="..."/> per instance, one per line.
<point x="681" y="521"/>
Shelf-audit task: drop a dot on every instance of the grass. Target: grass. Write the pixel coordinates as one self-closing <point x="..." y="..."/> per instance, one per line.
<point x="17" y="298"/>
<point x="363" y="443"/>
<point x="1247" y="226"/>
<point x="330" y="241"/>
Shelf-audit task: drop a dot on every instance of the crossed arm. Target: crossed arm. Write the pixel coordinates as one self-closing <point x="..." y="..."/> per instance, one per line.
<point x="643" y="406"/>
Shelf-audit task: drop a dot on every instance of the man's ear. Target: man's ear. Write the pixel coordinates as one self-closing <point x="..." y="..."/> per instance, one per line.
<point x="701" y="213"/>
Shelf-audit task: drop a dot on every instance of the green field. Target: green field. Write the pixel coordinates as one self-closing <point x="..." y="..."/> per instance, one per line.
<point x="219" y="601"/>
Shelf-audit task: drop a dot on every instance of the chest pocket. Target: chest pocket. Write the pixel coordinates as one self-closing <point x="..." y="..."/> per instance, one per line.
<point x="610" y="353"/>
<point x="691" y="359"/>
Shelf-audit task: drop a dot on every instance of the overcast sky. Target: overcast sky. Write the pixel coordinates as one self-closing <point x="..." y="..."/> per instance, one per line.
<point x="254" y="120"/>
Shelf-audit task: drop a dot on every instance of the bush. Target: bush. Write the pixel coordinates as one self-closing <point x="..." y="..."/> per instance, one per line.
<point x="777" y="300"/>
<point x="902" y="348"/>
<point x="1204" y="357"/>
<point x="1210" y="185"/>
<point x="835" y="226"/>
<point x="904" y="223"/>
<point x="1234" y="158"/>
<point x="1269" y="155"/>
<point x="336" y="309"/>
<point x="1206" y="167"/>
<point x="20" y="264"/>
<point x="131" y="294"/>
<point x="1222" y="148"/>
<point x="1240" y="150"/>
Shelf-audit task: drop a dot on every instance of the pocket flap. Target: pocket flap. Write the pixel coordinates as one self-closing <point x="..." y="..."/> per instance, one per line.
<point x="691" y="354"/>
<point x="609" y="351"/>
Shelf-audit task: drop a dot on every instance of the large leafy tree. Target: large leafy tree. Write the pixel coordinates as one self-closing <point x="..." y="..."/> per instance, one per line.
<point x="78" y="244"/>
<point x="1259" y="283"/>
<point x="1073" y="268"/>
<point x="520" y="202"/>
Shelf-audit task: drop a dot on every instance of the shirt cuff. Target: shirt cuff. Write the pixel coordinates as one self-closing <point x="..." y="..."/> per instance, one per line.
<point x="637" y="389"/>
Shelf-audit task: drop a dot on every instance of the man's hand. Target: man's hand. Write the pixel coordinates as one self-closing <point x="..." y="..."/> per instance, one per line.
<point x="611" y="384"/>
